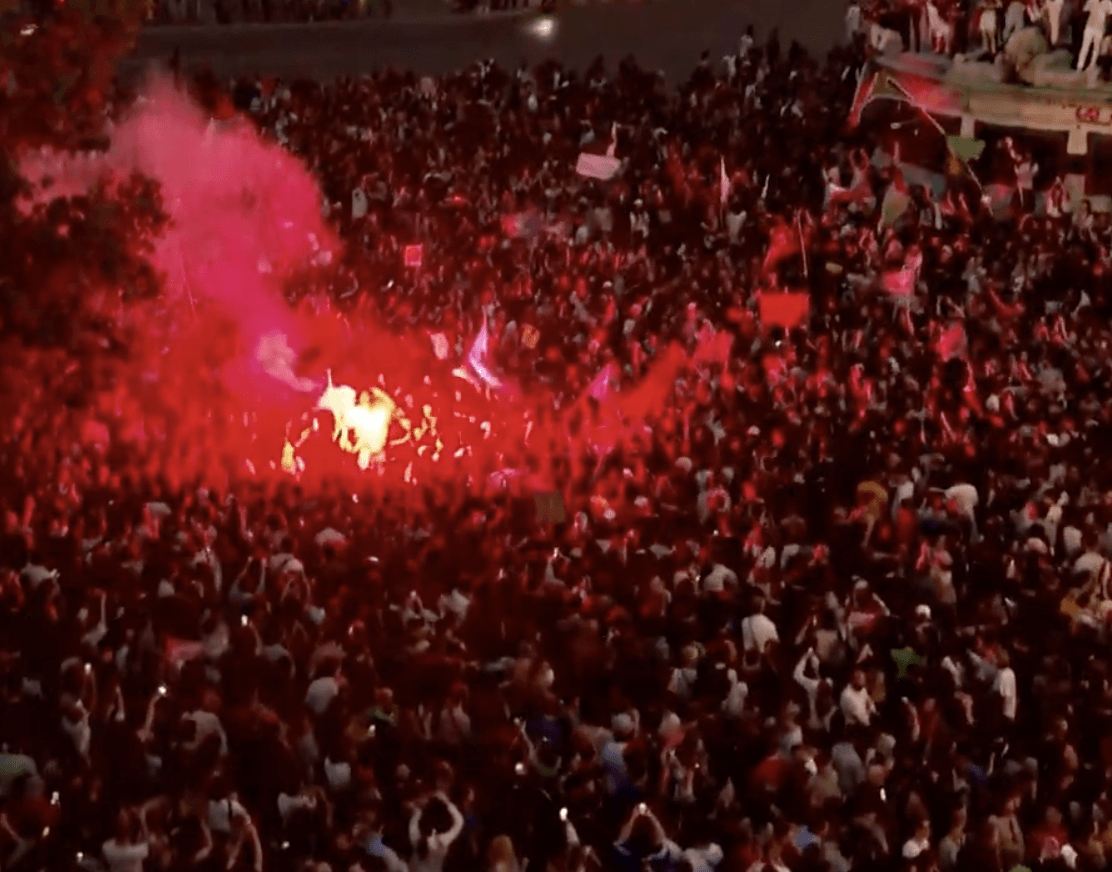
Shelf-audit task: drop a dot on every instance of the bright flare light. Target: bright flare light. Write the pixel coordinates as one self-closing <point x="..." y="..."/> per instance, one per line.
<point x="371" y="426"/>
<point x="543" y="28"/>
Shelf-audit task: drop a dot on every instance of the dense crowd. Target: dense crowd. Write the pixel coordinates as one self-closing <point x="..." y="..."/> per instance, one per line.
<point x="841" y="604"/>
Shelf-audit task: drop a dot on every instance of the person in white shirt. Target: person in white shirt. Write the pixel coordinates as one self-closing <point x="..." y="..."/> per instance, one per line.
<point x="758" y="630"/>
<point x="704" y="858"/>
<point x="1004" y="686"/>
<point x="126" y="851"/>
<point x="430" y="848"/>
<point x="1094" y="32"/>
<point x="919" y="843"/>
<point x="856" y="704"/>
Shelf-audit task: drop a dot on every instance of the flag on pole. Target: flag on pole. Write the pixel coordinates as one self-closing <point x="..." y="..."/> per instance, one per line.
<point x="600" y="388"/>
<point x="477" y="357"/>
<point x="900" y="283"/>
<point x="783" y="243"/>
<point x="895" y="203"/>
<point x="952" y="342"/>
<point x="965" y="148"/>
<point x="723" y="183"/>
<point x="597" y="166"/>
<point x="783" y="310"/>
<point x="861" y="97"/>
<point x="960" y="151"/>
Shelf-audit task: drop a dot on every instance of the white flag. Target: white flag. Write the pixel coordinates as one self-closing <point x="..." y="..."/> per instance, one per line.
<point x="477" y="358"/>
<point x="597" y="166"/>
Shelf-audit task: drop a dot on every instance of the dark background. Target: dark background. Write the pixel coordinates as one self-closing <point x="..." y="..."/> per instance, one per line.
<point x="665" y="34"/>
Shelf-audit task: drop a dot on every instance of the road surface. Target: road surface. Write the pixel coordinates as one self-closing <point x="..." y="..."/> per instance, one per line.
<point x="664" y="34"/>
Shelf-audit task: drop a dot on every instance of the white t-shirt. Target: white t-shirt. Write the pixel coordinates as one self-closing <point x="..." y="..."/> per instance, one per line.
<point x="704" y="859"/>
<point x="719" y="578"/>
<point x="125" y="858"/>
<point x="1005" y="686"/>
<point x="207" y="724"/>
<point x="757" y="631"/>
<point x="320" y="694"/>
<point x="857" y="706"/>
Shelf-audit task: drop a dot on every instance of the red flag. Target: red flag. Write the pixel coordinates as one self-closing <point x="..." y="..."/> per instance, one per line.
<point x="900" y="283"/>
<point x="952" y="342"/>
<point x="783" y="243"/>
<point x="600" y="388"/>
<point x="785" y="310"/>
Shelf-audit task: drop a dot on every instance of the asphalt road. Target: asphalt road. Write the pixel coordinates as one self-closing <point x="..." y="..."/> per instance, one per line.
<point x="665" y="34"/>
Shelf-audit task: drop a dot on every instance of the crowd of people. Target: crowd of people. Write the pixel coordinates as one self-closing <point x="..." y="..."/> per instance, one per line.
<point x="982" y="28"/>
<point x="841" y="603"/>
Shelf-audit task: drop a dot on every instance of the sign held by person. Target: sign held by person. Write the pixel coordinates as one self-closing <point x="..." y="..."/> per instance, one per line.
<point x="597" y="166"/>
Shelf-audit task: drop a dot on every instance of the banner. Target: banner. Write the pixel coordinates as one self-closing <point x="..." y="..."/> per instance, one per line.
<point x="414" y="255"/>
<point x="597" y="166"/>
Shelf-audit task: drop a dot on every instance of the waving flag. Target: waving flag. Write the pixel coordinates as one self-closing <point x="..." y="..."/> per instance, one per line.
<point x="783" y="243"/>
<point x="613" y="146"/>
<point x="714" y="346"/>
<point x="597" y="166"/>
<point x="477" y="357"/>
<point x="952" y="342"/>
<point x="600" y="388"/>
<point x="900" y="283"/>
<point x="783" y="310"/>
<point x="859" y="194"/>
<point x="895" y="204"/>
<point x="723" y="183"/>
<point x="965" y="148"/>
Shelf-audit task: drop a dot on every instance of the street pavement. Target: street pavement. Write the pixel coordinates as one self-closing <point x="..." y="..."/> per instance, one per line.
<point x="668" y="35"/>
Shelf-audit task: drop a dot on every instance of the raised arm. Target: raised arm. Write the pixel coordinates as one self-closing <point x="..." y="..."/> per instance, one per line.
<point x="457" y="820"/>
<point x="415" y="827"/>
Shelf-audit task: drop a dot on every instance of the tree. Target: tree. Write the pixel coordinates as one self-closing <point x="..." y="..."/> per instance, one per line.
<point x="57" y="77"/>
